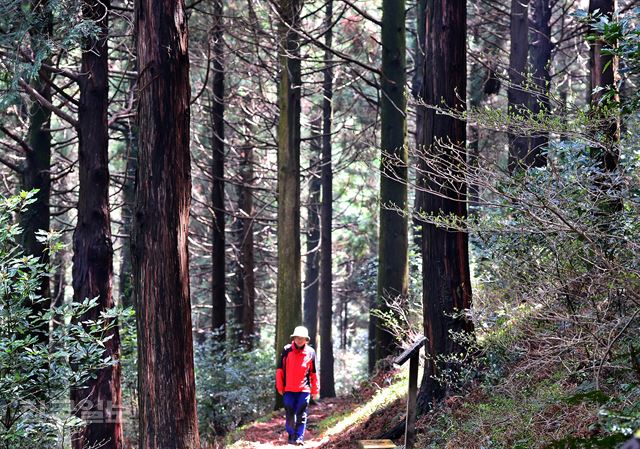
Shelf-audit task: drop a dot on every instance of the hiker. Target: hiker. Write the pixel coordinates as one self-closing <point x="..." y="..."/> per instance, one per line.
<point x="297" y="381"/>
<point x="634" y="442"/>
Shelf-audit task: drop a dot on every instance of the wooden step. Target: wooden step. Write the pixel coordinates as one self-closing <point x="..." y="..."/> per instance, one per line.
<point x="376" y="444"/>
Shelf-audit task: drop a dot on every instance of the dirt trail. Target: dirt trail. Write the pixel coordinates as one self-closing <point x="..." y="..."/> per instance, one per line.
<point x="270" y="434"/>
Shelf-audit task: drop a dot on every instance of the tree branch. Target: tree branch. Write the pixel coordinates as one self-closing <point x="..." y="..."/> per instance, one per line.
<point x="363" y="13"/>
<point x="10" y="164"/>
<point x="46" y="104"/>
<point x="24" y="145"/>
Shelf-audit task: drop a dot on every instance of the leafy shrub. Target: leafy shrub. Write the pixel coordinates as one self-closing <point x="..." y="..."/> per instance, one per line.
<point x="234" y="385"/>
<point x="36" y="371"/>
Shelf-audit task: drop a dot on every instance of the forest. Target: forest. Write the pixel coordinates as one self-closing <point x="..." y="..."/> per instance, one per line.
<point x="184" y="183"/>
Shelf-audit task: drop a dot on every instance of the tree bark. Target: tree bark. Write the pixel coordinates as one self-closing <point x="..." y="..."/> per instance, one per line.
<point x="247" y="262"/>
<point x="417" y="90"/>
<point x="128" y="202"/>
<point x="540" y="61"/>
<point x="289" y="290"/>
<point x="393" y="266"/>
<point x="238" y="295"/>
<point x="312" y="274"/>
<point x="445" y="258"/>
<point x="36" y="173"/>
<point x="517" y="95"/>
<point x="92" y="249"/>
<point x="327" y="382"/>
<point x="218" y="290"/>
<point x="603" y="70"/>
<point x="167" y="405"/>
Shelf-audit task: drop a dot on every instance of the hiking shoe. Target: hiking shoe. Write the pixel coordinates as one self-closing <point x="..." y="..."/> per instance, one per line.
<point x="299" y="442"/>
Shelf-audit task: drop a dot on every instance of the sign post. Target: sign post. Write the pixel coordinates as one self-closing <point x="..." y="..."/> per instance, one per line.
<point x="413" y="354"/>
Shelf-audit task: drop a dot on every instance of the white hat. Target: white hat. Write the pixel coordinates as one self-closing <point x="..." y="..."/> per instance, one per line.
<point x="300" y="331"/>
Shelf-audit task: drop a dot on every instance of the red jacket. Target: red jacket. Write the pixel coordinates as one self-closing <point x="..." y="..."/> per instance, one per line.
<point x="296" y="371"/>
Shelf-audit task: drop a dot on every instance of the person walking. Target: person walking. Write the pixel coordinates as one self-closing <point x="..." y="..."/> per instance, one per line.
<point x="634" y="442"/>
<point x="297" y="382"/>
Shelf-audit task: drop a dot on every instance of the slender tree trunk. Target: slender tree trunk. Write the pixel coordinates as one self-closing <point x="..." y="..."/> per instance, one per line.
<point x="540" y="61"/>
<point x="327" y="382"/>
<point x="167" y="404"/>
<point x="36" y="174"/>
<point x="247" y="262"/>
<point x="92" y="249"/>
<point x="393" y="266"/>
<point x="312" y="275"/>
<point x="417" y="90"/>
<point x="445" y="258"/>
<point x="238" y="295"/>
<point x="59" y="280"/>
<point x="373" y="324"/>
<point x="128" y="202"/>
<point x="60" y="262"/>
<point x="289" y="295"/>
<point x="217" y="195"/>
<point x="476" y="89"/>
<point x="604" y="72"/>
<point x="518" y="97"/>
<point x="345" y="324"/>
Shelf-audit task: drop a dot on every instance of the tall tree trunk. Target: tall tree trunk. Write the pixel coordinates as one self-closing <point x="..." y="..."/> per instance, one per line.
<point x="604" y="70"/>
<point x="289" y="290"/>
<point x="218" y="318"/>
<point x="393" y="266"/>
<point x="326" y="220"/>
<point x="476" y="89"/>
<point x="238" y="294"/>
<point x="445" y="257"/>
<point x="540" y="61"/>
<point x="167" y="404"/>
<point x="92" y="249"/>
<point x="373" y="325"/>
<point x="417" y="90"/>
<point x="247" y="262"/>
<point x="312" y="274"/>
<point x="36" y="172"/>
<point x="60" y="262"/>
<point x="344" y="323"/>
<point x="518" y="97"/>
<point x="128" y="202"/>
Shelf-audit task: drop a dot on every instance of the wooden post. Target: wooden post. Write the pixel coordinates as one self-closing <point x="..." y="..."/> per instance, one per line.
<point x="412" y="353"/>
<point x="410" y="431"/>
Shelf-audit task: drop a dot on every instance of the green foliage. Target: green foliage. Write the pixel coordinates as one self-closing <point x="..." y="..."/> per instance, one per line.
<point x="234" y="385"/>
<point x="620" y="38"/>
<point x="557" y="278"/>
<point x="38" y="367"/>
<point x="30" y="34"/>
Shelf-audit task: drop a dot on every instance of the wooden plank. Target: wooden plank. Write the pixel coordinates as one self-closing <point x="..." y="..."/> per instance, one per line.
<point x="414" y="348"/>
<point x="376" y="444"/>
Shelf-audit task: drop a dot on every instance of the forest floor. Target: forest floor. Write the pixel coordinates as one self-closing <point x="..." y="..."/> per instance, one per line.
<point x="335" y="423"/>
<point x="522" y="396"/>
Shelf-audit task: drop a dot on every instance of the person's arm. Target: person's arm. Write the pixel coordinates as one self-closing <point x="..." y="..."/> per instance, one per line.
<point x="280" y="374"/>
<point x="313" y="376"/>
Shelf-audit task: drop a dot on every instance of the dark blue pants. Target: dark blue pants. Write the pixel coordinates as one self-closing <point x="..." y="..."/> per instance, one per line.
<point x="295" y="406"/>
